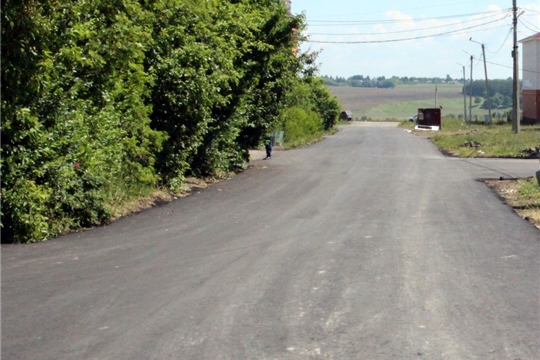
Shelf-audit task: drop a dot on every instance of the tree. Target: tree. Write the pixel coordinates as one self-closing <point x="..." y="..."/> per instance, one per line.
<point x="75" y="128"/>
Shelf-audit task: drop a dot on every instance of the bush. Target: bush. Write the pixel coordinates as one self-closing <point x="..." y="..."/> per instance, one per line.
<point x="223" y="72"/>
<point x="311" y="94"/>
<point x="75" y="129"/>
<point x="103" y="99"/>
<point x="301" y="126"/>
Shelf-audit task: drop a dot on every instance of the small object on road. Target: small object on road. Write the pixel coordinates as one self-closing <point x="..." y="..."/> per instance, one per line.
<point x="268" y="147"/>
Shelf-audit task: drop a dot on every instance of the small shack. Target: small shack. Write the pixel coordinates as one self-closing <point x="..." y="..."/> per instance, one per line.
<point x="429" y="119"/>
<point x="531" y="79"/>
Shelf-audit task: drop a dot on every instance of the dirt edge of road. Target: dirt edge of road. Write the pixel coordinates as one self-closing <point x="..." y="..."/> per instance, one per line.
<point x="508" y="190"/>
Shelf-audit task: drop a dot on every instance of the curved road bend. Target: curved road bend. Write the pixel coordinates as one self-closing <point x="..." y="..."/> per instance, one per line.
<point x="367" y="245"/>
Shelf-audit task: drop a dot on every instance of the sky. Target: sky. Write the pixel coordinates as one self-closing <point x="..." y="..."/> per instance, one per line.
<point x="415" y="38"/>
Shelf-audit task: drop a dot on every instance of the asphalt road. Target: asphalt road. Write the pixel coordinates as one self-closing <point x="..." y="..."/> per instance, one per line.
<point x="367" y="245"/>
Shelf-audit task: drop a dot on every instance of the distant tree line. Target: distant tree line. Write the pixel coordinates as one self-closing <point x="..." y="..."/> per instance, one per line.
<point x="105" y="100"/>
<point x="500" y="89"/>
<point x="383" y="82"/>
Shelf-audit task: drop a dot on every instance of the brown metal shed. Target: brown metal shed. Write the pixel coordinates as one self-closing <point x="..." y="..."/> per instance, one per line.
<point x="429" y="117"/>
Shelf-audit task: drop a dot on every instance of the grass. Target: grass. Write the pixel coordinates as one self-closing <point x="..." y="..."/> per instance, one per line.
<point x="522" y="194"/>
<point x="527" y="203"/>
<point x="479" y="140"/>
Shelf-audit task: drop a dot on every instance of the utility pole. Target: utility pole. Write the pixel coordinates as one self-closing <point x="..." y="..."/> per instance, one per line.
<point x="487" y="81"/>
<point x="464" y="94"/>
<point x="464" y="97"/>
<point x="515" y="54"/>
<point x="470" y="93"/>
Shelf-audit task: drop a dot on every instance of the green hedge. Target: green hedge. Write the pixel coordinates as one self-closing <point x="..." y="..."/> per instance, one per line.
<point x="105" y="100"/>
<point x="76" y="131"/>
<point x="301" y="126"/>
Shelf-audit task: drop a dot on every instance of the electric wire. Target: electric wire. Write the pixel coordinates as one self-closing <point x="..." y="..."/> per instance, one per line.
<point x="525" y="25"/>
<point x="403" y="31"/>
<point x="531" y="10"/>
<point x="407" y="9"/>
<point x="488" y="14"/>
<point x="404" y="39"/>
<point x="510" y="67"/>
<point x="348" y="22"/>
<point x="502" y="45"/>
<point x="372" y="22"/>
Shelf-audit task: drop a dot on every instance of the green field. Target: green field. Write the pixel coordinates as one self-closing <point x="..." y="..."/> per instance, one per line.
<point x="404" y="100"/>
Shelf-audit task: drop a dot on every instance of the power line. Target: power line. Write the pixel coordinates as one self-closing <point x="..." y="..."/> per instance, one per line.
<point x="522" y="23"/>
<point x="501" y="65"/>
<point x="405" y="39"/>
<point x="405" y="31"/>
<point x="372" y="22"/>
<point x="531" y="10"/>
<point x="510" y="67"/>
<point x="502" y="45"/>
<point x="407" y="9"/>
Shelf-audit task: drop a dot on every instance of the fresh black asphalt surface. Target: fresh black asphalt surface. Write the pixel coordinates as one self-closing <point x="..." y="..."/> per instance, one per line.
<point x="367" y="245"/>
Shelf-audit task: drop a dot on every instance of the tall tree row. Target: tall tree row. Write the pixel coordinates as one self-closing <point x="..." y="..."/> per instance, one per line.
<point x="105" y="100"/>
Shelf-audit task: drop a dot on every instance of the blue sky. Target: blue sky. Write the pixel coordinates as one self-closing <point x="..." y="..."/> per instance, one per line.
<point x="372" y="28"/>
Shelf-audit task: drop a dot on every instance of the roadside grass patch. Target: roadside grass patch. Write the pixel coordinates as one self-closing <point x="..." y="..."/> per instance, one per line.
<point x="133" y="204"/>
<point x="456" y="138"/>
<point x="523" y="195"/>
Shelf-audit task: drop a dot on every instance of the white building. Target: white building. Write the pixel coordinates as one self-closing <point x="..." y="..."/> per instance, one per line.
<point x="531" y="79"/>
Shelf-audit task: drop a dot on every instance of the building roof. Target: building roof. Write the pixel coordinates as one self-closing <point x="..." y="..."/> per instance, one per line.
<point x="533" y="37"/>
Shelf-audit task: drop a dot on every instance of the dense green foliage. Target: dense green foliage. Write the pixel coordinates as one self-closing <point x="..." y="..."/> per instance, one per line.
<point x="105" y="100"/>
<point x="311" y="110"/>
<point x="75" y="128"/>
<point x="500" y="92"/>
<point x="301" y="126"/>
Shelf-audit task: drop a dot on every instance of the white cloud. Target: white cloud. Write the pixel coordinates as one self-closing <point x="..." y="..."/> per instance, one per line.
<point x="429" y="53"/>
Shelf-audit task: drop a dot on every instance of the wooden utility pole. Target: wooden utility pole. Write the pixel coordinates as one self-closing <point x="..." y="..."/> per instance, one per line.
<point x="470" y="93"/>
<point x="515" y="54"/>
<point x="464" y="97"/>
<point x="487" y="81"/>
